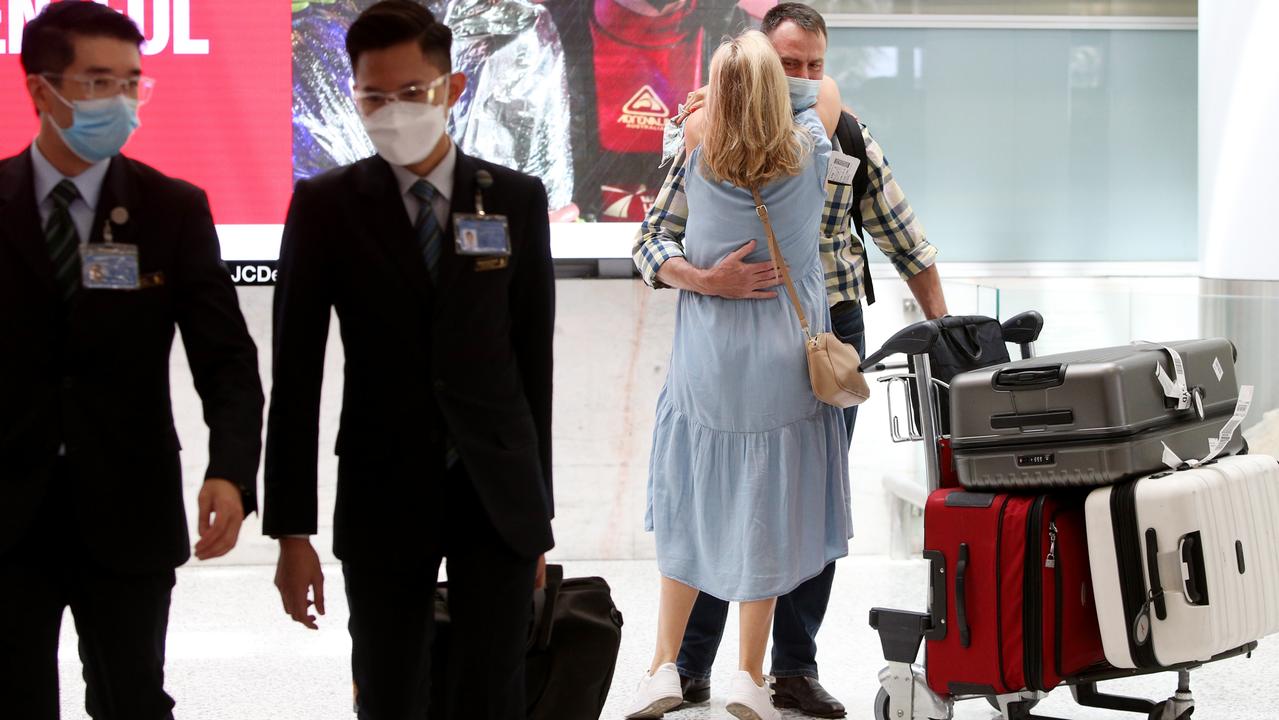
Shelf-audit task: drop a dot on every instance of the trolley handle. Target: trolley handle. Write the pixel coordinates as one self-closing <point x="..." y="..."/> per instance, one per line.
<point x="915" y="339"/>
<point x="1023" y="330"/>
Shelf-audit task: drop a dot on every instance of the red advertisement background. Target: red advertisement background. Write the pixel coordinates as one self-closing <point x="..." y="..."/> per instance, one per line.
<point x="221" y="121"/>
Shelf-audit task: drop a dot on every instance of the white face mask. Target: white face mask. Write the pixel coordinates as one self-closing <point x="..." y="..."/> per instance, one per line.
<point x="405" y="133"/>
<point x="803" y="92"/>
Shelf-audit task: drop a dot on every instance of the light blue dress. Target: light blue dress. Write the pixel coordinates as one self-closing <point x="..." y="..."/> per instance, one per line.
<point x="748" y="478"/>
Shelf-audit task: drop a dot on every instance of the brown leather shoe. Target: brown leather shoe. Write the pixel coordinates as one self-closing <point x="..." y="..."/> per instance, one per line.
<point x="808" y="696"/>
<point x="696" y="690"/>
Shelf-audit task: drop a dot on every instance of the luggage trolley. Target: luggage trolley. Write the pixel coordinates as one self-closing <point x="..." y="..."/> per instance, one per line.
<point x="904" y="693"/>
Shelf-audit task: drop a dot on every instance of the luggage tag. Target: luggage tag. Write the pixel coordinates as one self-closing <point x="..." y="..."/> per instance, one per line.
<point x="673" y="137"/>
<point x="110" y="265"/>
<point x="481" y="235"/>
<point x="841" y="168"/>
<point x="1216" y="445"/>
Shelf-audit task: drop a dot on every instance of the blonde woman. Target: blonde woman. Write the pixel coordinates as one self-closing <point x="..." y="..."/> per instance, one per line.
<point x="748" y="483"/>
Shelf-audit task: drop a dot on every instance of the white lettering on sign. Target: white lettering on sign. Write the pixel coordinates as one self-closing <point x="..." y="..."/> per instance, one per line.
<point x="20" y="12"/>
<point x="183" y="43"/>
<point x="159" y="39"/>
<point x="170" y="20"/>
<point x="250" y="274"/>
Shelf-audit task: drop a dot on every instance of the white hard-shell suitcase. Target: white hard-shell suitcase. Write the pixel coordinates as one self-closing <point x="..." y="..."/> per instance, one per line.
<point x="1209" y="538"/>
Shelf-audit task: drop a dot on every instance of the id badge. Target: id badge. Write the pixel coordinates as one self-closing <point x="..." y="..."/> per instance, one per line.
<point x="109" y="266"/>
<point x="481" y="235"/>
<point x="841" y="168"/>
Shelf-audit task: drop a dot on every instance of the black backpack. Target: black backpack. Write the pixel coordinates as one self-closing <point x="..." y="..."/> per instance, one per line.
<point x="851" y="142"/>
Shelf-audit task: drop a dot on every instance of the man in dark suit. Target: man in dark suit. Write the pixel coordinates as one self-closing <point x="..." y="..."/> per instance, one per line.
<point x="445" y="443"/>
<point x="100" y="258"/>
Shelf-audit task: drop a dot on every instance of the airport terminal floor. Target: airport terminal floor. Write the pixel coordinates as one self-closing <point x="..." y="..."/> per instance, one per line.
<point x="233" y="653"/>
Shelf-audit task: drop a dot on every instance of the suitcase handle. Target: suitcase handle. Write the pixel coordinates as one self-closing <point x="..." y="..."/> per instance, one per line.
<point x="961" y="599"/>
<point x="1192" y="556"/>
<point x="1030" y="378"/>
<point x="1152" y="568"/>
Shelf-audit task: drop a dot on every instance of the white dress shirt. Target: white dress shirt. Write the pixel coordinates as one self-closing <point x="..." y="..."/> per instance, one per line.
<point x="441" y="178"/>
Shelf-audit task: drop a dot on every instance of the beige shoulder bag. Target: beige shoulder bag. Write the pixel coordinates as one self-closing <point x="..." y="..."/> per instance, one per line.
<point x="832" y="363"/>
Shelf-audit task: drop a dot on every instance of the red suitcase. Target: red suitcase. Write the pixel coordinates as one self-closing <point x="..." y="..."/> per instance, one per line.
<point x="946" y="463"/>
<point x="1018" y="611"/>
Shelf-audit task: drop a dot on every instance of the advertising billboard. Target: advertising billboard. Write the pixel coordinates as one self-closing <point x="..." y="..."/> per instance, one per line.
<point x="254" y="94"/>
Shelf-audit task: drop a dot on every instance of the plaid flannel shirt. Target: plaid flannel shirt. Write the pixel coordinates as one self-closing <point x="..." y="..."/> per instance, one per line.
<point x="886" y="216"/>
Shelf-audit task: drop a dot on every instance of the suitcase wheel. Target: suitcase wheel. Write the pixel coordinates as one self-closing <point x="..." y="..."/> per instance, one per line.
<point x="1030" y="704"/>
<point x="881" y="708"/>
<point x="1165" y="710"/>
<point x="881" y="705"/>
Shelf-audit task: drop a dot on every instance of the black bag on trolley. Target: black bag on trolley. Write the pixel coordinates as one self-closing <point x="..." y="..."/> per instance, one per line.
<point x="964" y="342"/>
<point x="572" y="649"/>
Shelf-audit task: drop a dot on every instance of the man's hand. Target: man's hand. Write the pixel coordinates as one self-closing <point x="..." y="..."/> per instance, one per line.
<point x="736" y="280"/>
<point x="297" y="571"/>
<point x="730" y="278"/>
<point x="539" y="580"/>
<point x="219" y="517"/>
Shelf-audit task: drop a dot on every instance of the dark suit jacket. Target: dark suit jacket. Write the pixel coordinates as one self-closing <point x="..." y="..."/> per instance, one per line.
<point x="470" y="358"/>
<point x="99" y="382"/>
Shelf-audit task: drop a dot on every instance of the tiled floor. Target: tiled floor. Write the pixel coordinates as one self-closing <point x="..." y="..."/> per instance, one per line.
<point x="234" y="655"/>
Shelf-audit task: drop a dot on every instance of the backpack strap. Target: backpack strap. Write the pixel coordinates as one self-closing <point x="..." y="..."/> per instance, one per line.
<point x="851" y="142"/>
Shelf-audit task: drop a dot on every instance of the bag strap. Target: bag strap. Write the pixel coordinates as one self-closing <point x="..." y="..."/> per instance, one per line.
<point x="779" y="261"/>
<point x="851" y="142"/>
<point x="544" y="610"/>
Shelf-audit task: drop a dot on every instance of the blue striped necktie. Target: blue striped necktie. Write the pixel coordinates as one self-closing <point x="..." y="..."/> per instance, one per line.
<point x="430" y="237"/>
<point x="431" y="241"/>
<point x="63" y="240"/>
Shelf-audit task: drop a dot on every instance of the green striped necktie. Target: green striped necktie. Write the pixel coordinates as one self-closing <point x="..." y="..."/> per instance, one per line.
<point x="64" y="242"/>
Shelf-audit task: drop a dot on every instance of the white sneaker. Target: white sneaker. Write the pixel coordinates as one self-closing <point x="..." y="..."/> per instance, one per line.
<point x="748" y="701"/>
<point x="656" y="695"/>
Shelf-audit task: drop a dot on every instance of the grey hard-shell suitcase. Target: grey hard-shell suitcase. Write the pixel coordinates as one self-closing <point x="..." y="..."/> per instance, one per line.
<point x="1094" y="417"/>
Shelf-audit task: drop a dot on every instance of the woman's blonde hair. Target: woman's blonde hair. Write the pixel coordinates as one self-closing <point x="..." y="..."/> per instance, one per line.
<point x="750" y="137"/>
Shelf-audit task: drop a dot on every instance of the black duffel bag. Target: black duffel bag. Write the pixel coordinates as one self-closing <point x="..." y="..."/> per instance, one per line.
<point x="572" y="648"/>
<point x="964" y="342"/>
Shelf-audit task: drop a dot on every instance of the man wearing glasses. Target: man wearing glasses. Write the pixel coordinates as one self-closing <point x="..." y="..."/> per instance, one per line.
<point x="438" y="265"/>
<point x="100" y="258"/>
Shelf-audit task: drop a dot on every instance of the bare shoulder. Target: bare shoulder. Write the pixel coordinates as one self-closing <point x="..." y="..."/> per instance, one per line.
<point x="829" y="104"/>
<point x="694" y="130"/>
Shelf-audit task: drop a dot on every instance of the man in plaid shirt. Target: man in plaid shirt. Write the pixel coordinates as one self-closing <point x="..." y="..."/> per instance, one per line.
<point x="799" y="34"/>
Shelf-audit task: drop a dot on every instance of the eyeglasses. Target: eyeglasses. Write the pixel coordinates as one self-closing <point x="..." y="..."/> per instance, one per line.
<point x="139" y="87"/>
<point x="370" y="101"/>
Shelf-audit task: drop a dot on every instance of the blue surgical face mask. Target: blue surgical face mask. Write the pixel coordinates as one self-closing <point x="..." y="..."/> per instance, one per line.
<point x="803" y="92"/>
<point x="100" y="127"/>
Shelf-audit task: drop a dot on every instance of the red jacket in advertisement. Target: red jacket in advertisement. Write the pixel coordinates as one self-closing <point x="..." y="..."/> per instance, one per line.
<point x="647" y="60"/>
